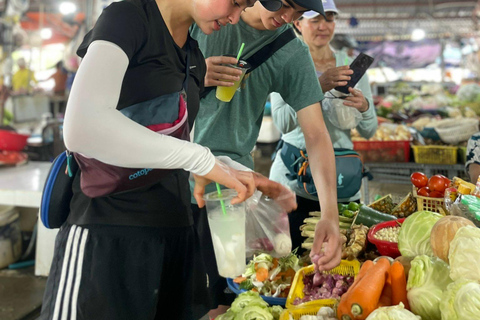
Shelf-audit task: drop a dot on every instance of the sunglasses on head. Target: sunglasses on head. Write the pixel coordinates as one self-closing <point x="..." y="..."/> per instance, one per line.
<point x="272" y="5"/>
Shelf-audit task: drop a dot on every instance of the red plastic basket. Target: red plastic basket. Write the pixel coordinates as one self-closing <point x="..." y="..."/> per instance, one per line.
<point x="12" y="141"/>
<point x="383" y="151"/>
<point x="385" y="248"/>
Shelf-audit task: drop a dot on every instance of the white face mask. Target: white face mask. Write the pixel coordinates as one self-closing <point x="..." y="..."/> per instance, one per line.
<point x="341" y="116"/>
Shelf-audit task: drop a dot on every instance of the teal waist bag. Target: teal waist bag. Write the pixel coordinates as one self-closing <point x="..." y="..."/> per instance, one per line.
<point x="349" y="167"/>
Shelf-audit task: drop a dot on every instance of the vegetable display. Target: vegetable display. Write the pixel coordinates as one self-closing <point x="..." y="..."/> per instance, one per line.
<point x="324" y="286"/>
<point x="414" y="236"/>
<point x="364" y="295"/>
<point x="393" y="313"/>
<point x="271" y="277"/>
<point x="461" y="300"/>
<point x="443" y="233"/>
<point x="250" y="306"/>
<point x="464" y="254"/>
<point x="427" y="279"/>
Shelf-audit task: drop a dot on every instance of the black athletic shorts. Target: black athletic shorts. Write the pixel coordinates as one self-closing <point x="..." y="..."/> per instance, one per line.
<point x="120" y="272"/>
<point x="219" y="292"/>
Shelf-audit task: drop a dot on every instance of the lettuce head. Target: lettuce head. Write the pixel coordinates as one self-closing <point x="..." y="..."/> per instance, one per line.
<point x="427" y="279"/>
<point x="249" y="298"/>
<point x="414" y="236"/>
<point x="254" y="313"/>
<point x="392" y="313"/>
<point x="464" y="254"/>
<point x="461" y="300"/>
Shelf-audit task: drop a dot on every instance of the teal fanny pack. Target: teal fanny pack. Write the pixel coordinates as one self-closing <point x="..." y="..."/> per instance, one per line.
<point x="349" y="167"/>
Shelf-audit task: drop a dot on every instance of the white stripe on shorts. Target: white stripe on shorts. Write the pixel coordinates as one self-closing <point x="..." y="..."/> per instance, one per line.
<point x="71" y="269"/>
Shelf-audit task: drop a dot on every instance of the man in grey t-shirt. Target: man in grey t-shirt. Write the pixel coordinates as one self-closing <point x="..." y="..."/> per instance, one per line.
<point x="232" y="128"/>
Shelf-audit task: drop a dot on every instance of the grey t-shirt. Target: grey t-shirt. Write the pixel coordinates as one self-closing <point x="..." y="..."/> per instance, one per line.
<point x="232" y="128"/>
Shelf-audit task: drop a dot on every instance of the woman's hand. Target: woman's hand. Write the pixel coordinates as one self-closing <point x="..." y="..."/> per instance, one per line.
<point x="241" y="181"/>
<point x="335" y="77"/>
<point x="356" y="100"/>
<point x="218" y="74"/>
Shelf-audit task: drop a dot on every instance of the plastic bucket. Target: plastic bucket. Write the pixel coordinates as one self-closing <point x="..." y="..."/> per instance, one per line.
<point x="10" y="236"/>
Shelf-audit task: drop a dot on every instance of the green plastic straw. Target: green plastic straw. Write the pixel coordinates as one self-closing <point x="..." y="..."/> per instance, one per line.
<point x="241" y="50"/>
<point x="219" y="191"/>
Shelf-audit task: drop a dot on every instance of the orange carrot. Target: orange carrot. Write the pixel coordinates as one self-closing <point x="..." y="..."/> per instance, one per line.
<point x="275" y="263"/>
<point x="365" y="296"/>
<point x="343" y="309"/>
<point x="239" y="279"/>
<point x="386" y="296"/>
<point x="399" y="284"/>
<point x="262" y="274"/>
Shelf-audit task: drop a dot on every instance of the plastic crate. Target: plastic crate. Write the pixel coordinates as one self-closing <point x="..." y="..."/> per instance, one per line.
<point x="383" y="151"/>
<point x="346" y="268"/>
<point x="296" y="314"/>
<point x="430" y="204"/>
<point x="462" y="154"/>
<point x="435" y="154"/>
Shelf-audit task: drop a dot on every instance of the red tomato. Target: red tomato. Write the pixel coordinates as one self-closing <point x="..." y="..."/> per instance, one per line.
<point x="436" y="194"/>
<point x="437" y="183"/>
<point x="424" y="192"/>
<point x="447" y="182"/>
<point x="419" y="179"/>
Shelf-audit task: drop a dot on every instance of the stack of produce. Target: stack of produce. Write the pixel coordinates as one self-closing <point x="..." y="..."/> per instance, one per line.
<point x="443" y="279"/>
<point x="248" y="306"/>
<point x="354" y="237"/>
<point x="433" y="187"/>
<point x="403" y="209"/>
<point x="386" y="133"/>
<point x="271" y="277"/>
<point x="379" y="284"/>
<point x="324" y="286"/>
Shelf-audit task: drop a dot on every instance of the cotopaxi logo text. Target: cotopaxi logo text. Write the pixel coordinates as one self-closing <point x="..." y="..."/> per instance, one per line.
<point x="139" y="173"/>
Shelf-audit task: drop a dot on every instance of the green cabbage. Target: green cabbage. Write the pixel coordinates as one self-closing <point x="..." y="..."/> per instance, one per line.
<point x="392" y="313"/>
<point x="249" y="298"/>
<point x="427" y="279"/>
<point x="229" y="315"/>
<point x="461" y="301"/>
<point x="254" y="313"/>
<point x="414" y="236"/>
<point x="464" y="254"/>
<point x="276" y="311"/>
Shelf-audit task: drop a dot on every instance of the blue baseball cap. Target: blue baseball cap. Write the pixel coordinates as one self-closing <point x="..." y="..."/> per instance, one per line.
<point x="314" y="5"/>
<point x="328" y="6"/>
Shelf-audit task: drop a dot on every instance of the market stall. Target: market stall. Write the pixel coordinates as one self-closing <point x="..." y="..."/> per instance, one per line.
<point x="407" y="260"/>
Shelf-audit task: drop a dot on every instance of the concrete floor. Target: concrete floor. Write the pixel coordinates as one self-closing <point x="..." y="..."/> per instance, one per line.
<point x="21" y="294"/>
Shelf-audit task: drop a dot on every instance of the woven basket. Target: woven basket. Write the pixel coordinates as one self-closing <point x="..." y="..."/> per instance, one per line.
<point x="454" y="131"/>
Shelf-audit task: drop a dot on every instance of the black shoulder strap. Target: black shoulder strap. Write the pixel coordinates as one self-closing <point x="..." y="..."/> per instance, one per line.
<point x="268" y="50"/>
<point x="263" y="54"/>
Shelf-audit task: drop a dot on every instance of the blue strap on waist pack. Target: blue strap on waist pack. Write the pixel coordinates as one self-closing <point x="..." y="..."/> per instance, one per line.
<point x="57" y="192"/>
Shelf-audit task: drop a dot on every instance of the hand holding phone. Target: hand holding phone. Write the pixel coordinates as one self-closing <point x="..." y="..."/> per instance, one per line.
<point x="359" y="66"/>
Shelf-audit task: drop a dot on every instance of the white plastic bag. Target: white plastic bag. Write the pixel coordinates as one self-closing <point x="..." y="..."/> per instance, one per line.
<point x="267" y="227"/>
<point x="341" y="116"/>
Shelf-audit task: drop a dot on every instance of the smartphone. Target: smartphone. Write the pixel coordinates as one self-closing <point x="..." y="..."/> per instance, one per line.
<point x="359" y="66"/>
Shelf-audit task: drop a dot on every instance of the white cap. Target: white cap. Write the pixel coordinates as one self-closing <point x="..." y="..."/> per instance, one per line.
<point x="328" y="6"/>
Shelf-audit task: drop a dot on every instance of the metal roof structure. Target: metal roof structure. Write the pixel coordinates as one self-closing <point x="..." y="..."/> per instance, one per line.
<point x="395" y="19"/>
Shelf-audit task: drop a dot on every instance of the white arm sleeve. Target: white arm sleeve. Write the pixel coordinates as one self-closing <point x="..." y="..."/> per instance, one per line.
<point x="94" y="127"/>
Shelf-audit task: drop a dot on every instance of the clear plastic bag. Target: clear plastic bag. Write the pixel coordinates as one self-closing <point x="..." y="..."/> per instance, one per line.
<point x="467" y="207"/>
<point x="341" y="116"/>
<point x="267" y="226"/>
